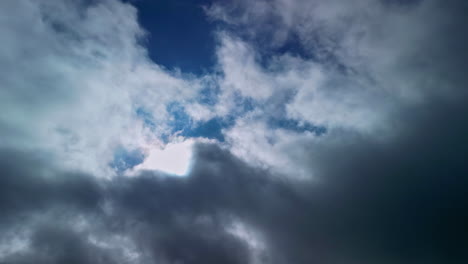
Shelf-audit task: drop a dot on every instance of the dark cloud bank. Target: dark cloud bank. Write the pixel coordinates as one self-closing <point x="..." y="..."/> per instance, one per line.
<point x="398" y="200"/>
<point x="402" y="201"/>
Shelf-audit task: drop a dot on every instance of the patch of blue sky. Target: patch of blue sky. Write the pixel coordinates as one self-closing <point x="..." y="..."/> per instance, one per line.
<point x="146" y="117"/>
<point x="296" y="126"/>
<point x="212" y="129"/>
<point x="243" y="104"/>
<point x="180" y="35"/>
<point x="181" y="123"/>
<point x="209" y="95"/>
<point x="179" y="120"/>
<point x="126" y="159"/>
<point x="319" y="52"/>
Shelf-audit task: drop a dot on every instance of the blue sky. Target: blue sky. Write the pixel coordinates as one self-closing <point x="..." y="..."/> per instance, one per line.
<point x="180" y="34"/>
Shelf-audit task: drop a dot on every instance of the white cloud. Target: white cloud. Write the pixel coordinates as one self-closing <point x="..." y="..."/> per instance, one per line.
<point x="74" y="76"/>
<point x="241" y="72"/>
<point x="174" y="158"/>
<point x="371" y="59"/>
<point x="275" y="149"/>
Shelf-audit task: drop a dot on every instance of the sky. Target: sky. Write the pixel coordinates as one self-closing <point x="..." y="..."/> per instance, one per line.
<point x="234" y="131"/>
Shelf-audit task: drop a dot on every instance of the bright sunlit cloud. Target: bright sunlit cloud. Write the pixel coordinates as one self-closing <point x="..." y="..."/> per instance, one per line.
<point x="174" y="158"/>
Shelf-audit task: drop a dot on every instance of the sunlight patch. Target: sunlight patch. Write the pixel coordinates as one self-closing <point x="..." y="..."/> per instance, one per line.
<point x="173" y="158"/>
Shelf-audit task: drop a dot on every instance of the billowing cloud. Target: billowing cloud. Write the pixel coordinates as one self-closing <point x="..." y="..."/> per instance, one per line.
<point x="75" y="77"/>
<point x="328" y="132"/>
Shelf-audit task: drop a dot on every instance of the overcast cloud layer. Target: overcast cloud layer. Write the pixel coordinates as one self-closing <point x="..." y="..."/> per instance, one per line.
<point x="327" y="132"/>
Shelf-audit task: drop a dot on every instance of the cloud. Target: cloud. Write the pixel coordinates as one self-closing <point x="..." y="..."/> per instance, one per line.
<point x="173" y="158"/>
<point x="374" y="203"/>
<point x="76" y="74"/>
<point x="361" y="63"/>
<point x="383" y="182"/>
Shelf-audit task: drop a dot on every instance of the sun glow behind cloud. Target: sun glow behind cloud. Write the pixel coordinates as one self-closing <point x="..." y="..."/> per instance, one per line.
<point x="174" y="158"/>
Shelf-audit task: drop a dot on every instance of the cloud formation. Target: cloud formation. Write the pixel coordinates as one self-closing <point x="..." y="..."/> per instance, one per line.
<point x="343" y="136"/>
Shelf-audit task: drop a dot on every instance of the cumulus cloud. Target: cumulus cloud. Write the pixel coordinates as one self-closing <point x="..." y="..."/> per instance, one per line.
<point x="344" y="136"/>
<point x="75" y="75"/>
<point x="358" y="63"/>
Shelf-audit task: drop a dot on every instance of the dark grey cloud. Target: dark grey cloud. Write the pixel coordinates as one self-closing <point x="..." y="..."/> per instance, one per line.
<point x="29" y="184"/>
<point x="400" y="201"/>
